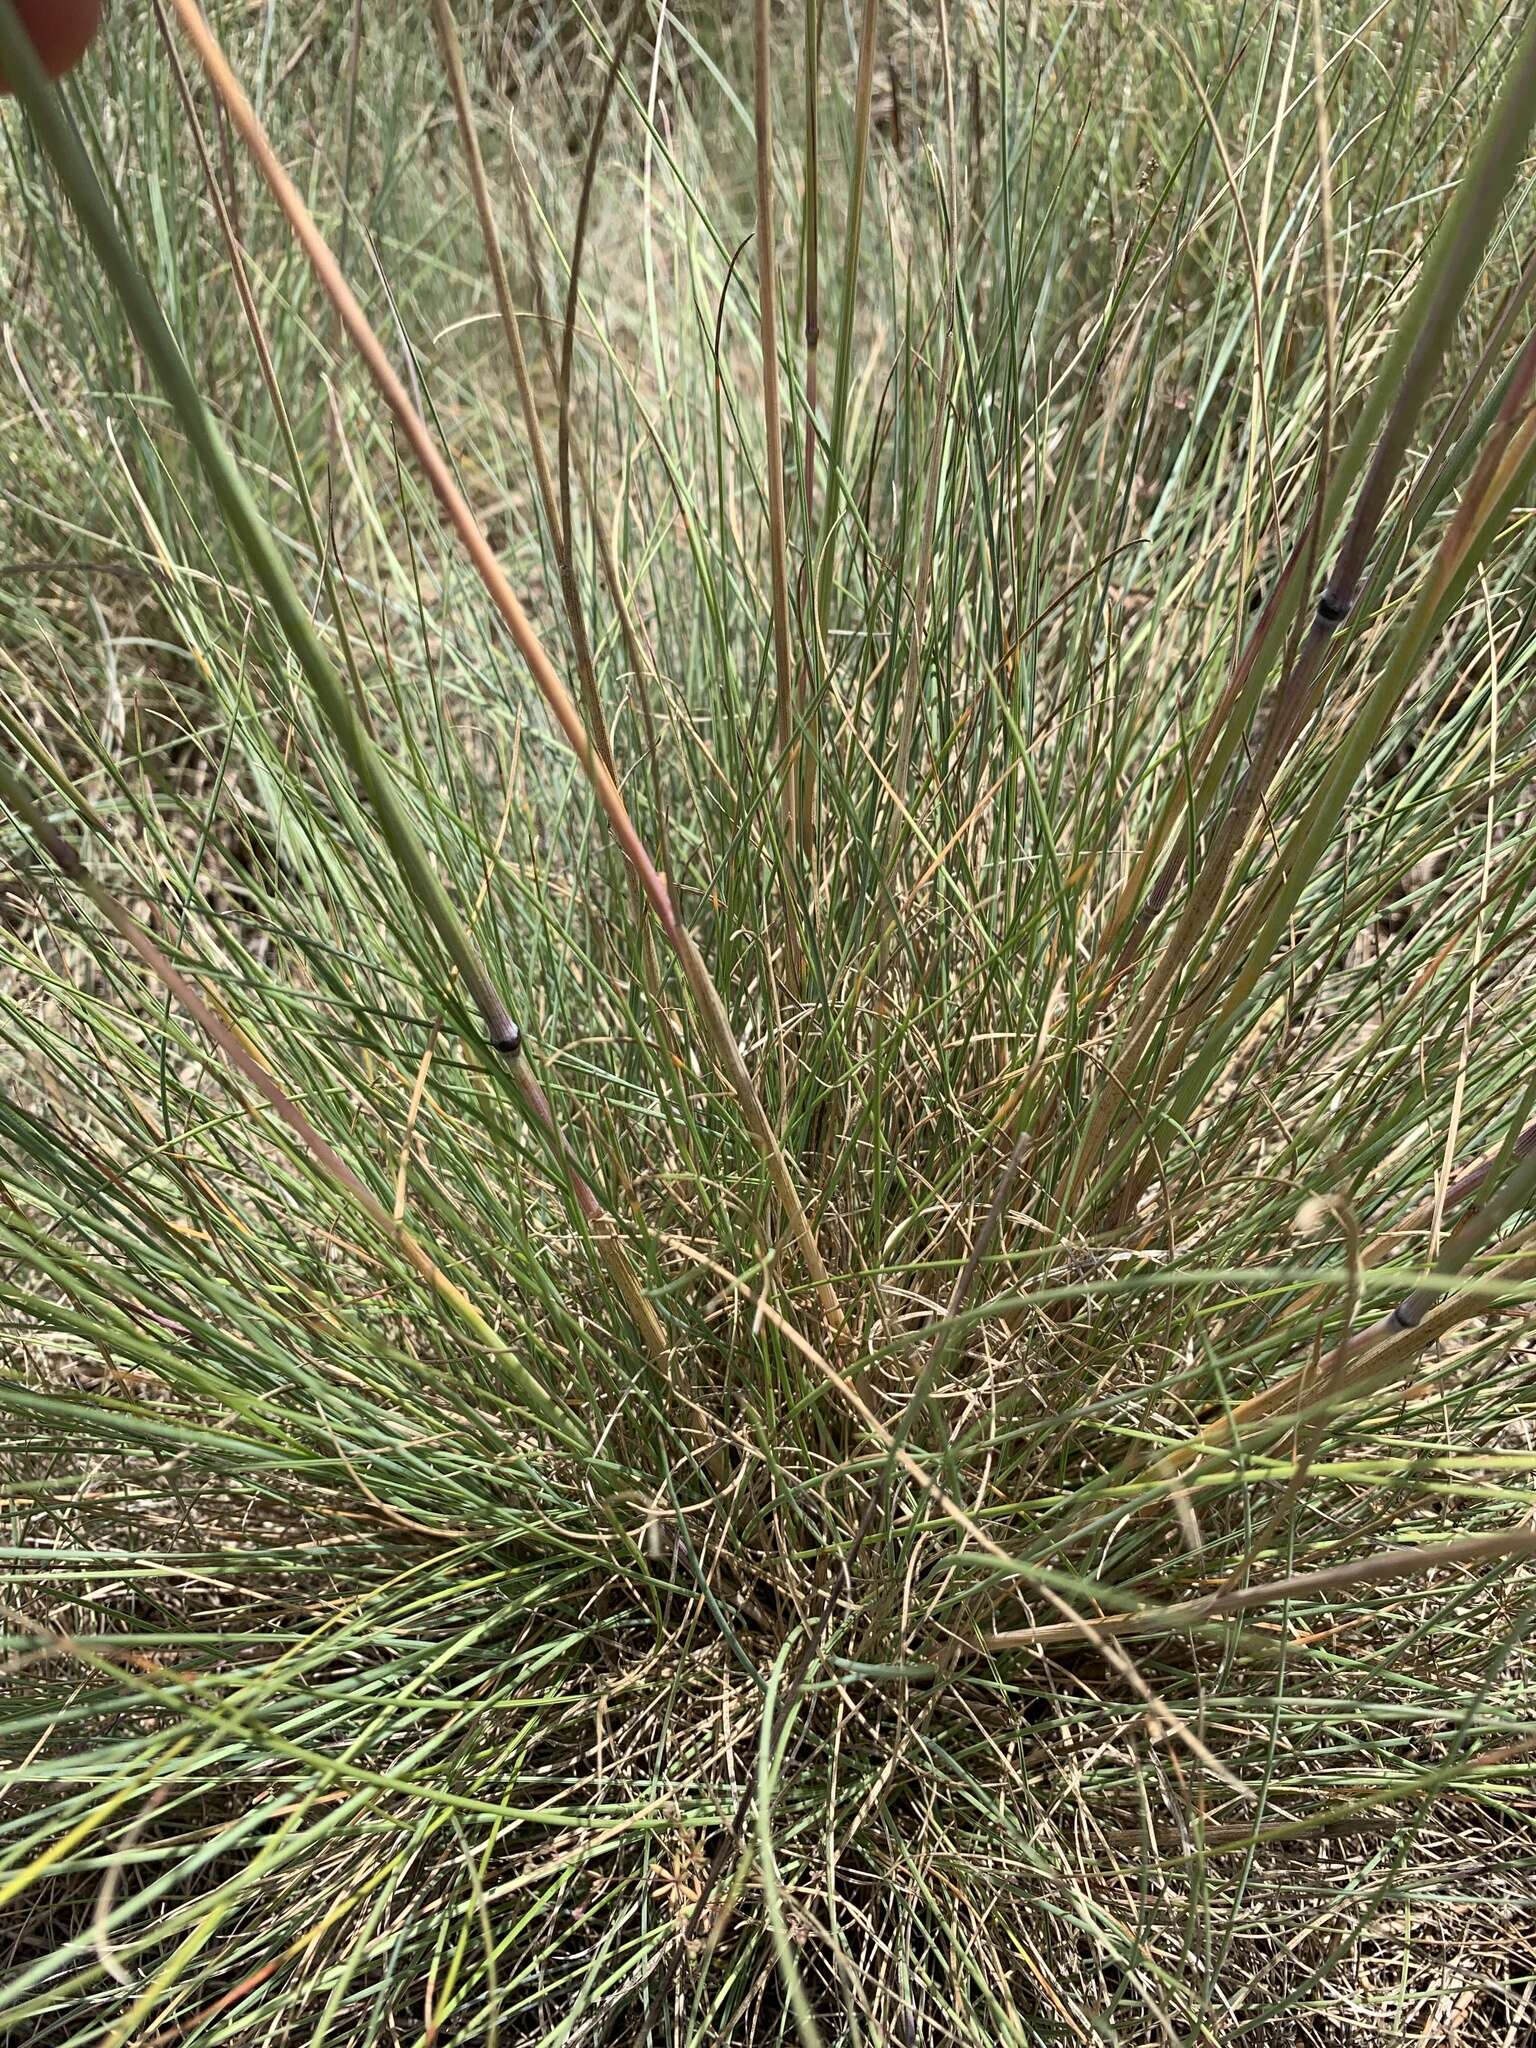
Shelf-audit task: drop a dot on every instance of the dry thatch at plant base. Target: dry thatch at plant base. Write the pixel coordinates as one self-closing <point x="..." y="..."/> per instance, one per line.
<point x="767" y="1028"/>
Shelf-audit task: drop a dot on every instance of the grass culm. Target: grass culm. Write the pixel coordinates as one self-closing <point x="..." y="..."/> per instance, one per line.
<point x="769" y="1151"/>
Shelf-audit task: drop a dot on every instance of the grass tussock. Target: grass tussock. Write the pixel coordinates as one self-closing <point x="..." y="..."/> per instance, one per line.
<point x="767" y="1027"/>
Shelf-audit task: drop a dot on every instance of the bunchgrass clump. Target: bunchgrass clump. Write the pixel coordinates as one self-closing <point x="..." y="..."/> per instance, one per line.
<point x="764" y="970"/>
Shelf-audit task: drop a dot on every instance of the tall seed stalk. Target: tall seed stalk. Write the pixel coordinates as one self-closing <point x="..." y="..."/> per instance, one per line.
<point x="591" y="702"/>
<point x="1393" y="405"/>
<point x="338" y="703"/>
<point x="557" y="511"/>
<point x="837" y="432"/>
<point x="810" y="239"/>
<point x="1506" y="463"/>
<point x="1382" y="432"/>
<point x="708" y="1004"/>
<point x="773" y="428"/>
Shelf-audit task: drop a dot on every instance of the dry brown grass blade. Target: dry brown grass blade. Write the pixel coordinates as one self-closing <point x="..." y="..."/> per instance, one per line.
<point x="1409" y="1561"/>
